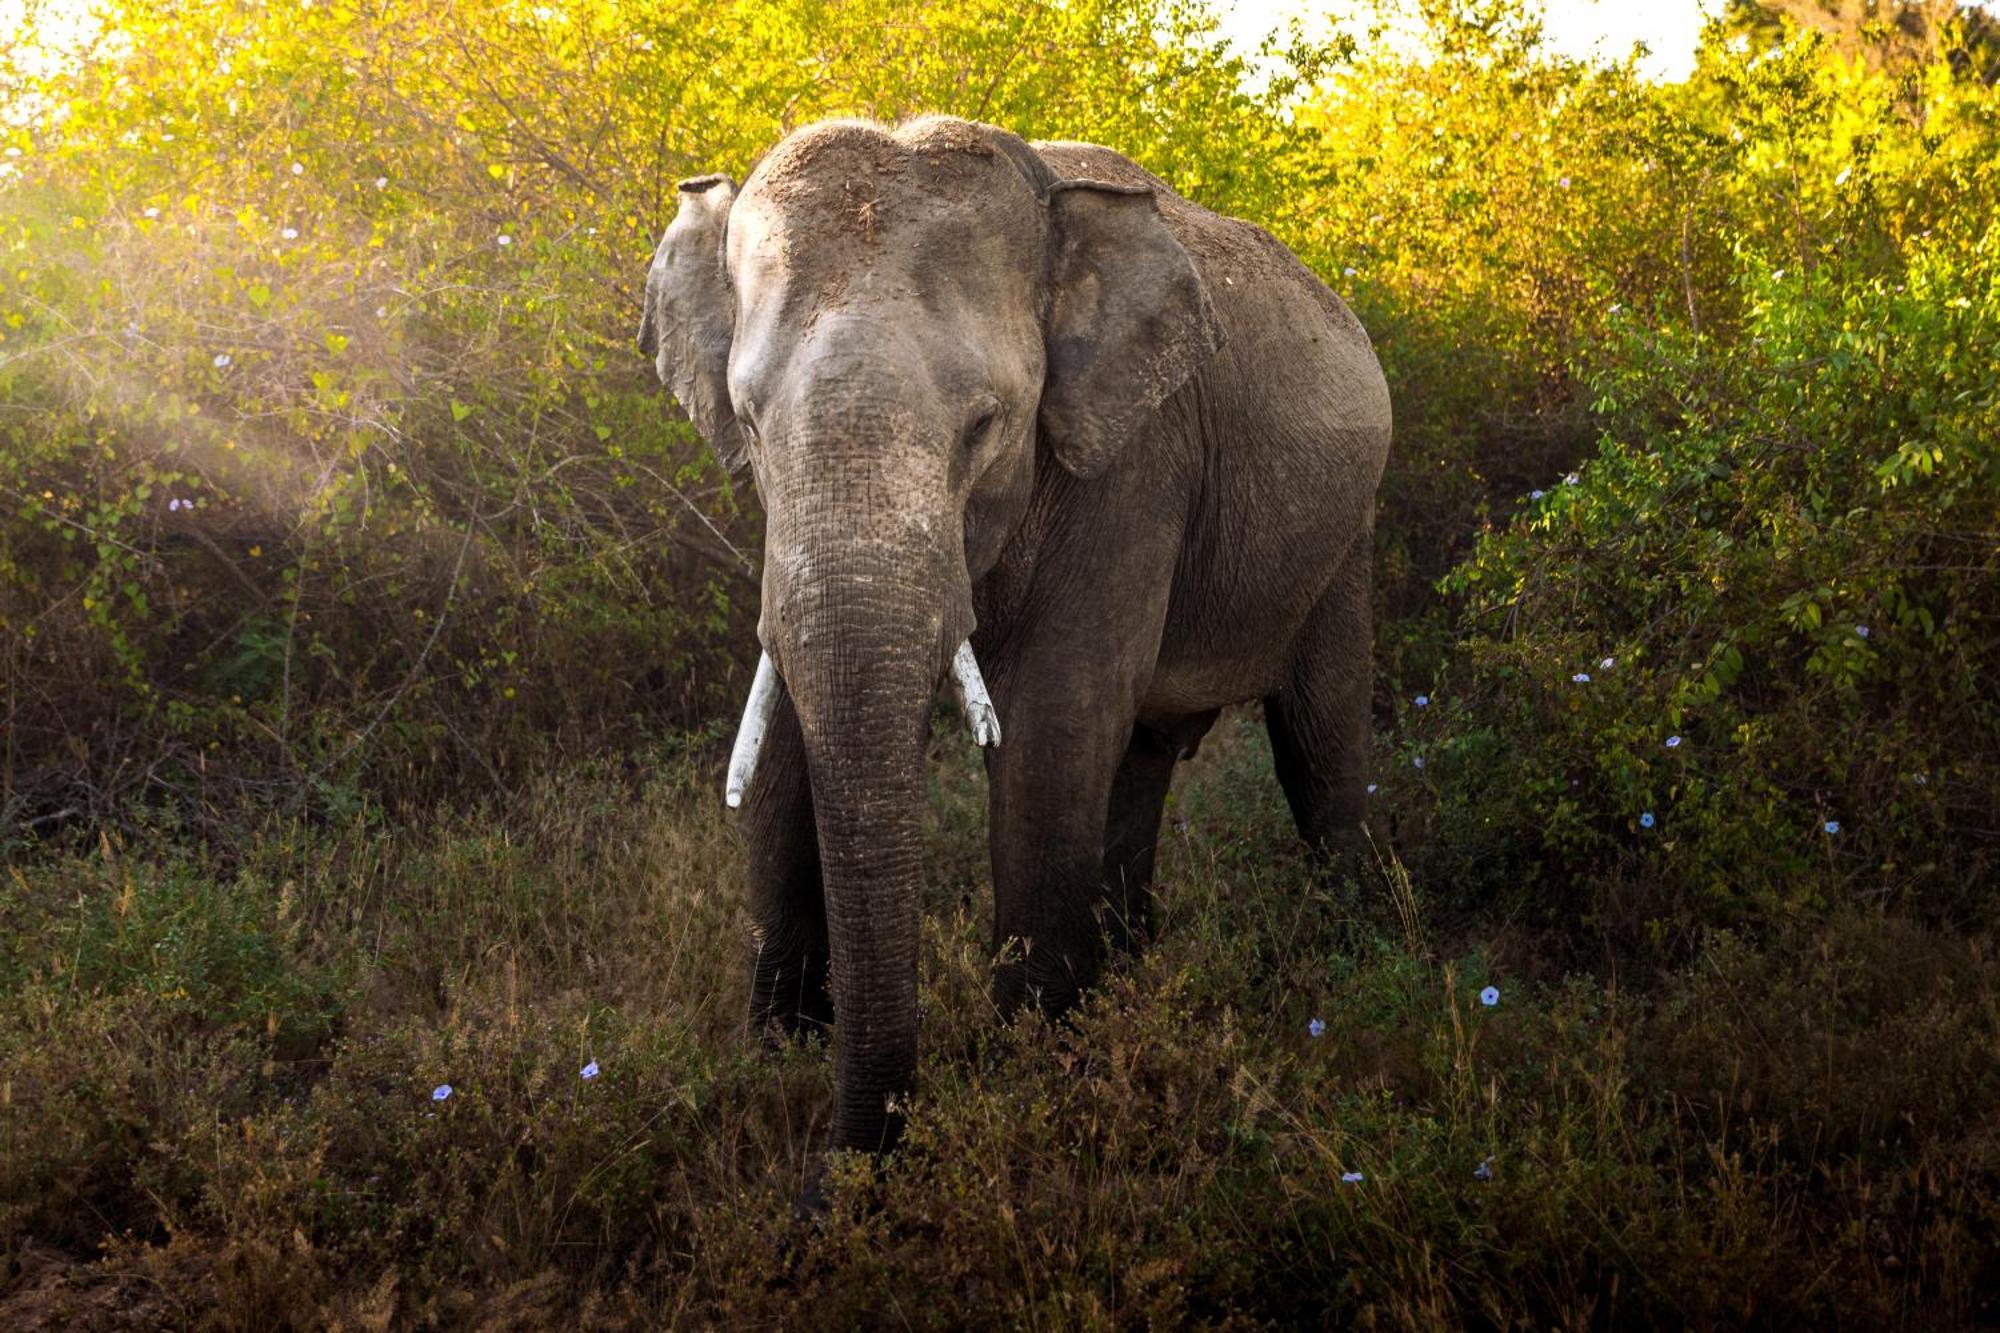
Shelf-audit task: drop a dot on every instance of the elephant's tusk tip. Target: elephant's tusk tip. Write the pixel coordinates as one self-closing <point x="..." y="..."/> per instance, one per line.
<point x="733" y="797"/>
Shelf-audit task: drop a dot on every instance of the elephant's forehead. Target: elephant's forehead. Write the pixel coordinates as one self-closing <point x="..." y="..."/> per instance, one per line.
<point x="842" y="225"/>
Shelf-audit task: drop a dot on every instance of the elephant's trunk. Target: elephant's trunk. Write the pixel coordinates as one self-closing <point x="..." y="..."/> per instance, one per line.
<point x="862" y="636"/>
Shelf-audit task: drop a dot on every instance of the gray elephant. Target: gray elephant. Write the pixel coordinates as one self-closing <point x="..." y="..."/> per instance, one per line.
<point x="1021" y="416"/>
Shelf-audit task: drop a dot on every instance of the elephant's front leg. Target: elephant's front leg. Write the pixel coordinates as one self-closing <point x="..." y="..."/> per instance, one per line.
<point x="788" y="944"/>
<point x="1050" y="792"/>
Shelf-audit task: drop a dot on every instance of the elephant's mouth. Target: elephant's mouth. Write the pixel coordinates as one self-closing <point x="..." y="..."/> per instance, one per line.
<point x="967" y="683"/>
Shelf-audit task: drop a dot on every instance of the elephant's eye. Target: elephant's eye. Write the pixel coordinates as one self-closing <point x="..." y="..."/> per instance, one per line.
<point x="982" y="425"/>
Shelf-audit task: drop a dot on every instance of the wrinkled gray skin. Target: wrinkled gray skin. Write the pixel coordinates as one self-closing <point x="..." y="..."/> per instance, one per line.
<point x="1030" y="394"/>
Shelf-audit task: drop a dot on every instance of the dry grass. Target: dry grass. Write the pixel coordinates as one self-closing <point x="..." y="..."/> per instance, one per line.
<point x="218" y="1098"/>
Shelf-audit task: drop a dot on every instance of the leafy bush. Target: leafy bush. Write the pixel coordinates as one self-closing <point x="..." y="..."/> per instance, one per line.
<point x="1738" y="651"/>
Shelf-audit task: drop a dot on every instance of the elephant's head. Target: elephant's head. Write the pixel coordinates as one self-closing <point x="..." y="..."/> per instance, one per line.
<point x="886" y="326"/>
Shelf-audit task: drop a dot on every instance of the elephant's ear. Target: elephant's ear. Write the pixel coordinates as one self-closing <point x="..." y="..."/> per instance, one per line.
<point x="690" y="314"/>
<point x="1129" y="322"/>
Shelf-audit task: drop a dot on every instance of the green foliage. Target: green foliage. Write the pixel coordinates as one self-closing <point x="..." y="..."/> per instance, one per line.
<point x="1783" y="553"/>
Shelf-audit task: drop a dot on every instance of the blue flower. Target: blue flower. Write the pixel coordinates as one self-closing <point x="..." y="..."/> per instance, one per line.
<point x="440" y="1092"/>
<point x="1423" y="701"/>
<point x="1572" y="479"/>
<point x="1317" y="1027"/>
<point x="1490" y="996"/>
<point x="1581" y="678"/>
<point x="588" y="1071"/>
<point x="1484" y="1171"/>
<point x="1862" y="630"/>
<point x="1832" y="827"/>
<point x="1351" y="1177"/>
<point x="1646" y="819"/>
<point x="1673" y="742"/>
<point x="1535" y="495"/>
<point x="1371" y="789"/>
<point x="1418" y="761"/>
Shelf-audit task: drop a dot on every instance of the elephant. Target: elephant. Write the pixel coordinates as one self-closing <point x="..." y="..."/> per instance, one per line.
<point x="1021" y="416"/>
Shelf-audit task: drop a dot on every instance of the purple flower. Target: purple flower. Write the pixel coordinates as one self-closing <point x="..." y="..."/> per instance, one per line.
<point x="1490" y="996"/>
<point x="1572" y="479"/>
<point x="588" y="1071"/>
<point x="1535" y="495"/>
<point x="1862" y="630"/>
<point x="1673" y="742"/>
<point x="1351" y="1177"/>
<point x="1317" y="1027"/>
<point x="1581" y="678"/>
<point x="1484" y="1171"/>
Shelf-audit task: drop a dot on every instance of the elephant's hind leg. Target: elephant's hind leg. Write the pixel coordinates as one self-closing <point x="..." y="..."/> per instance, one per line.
<point x="1132" y="835"/>
<point x="1319" y="718"/>
<point x="788" y="946"/>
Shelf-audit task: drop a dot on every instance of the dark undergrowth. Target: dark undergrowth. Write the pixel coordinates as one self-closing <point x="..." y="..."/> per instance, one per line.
<point x="223" y="1095"/>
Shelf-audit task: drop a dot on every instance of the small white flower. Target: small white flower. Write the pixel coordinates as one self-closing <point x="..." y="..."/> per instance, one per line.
<point x="298" y="168"/>
<point x="221" y="360"/>
<point x="1371" y="789"/>
<point x="1615" y="307"/>
<point x="1350" y="272"/>
<point x="1572" y="479"/>
<point x="1418" y="761"/>
<point x="381" y="312"/>
<point x="290" y="233"/>
<point x="505" y="239"/>
<point x="1536" y="495"/>
<point x="1564" y="182"/>
<point x="381" y="182"/>
<point x="1351" y="1177"/>
<point x="151" y="213"/>
<point x="12" y="151"/>
<point x="1861" y="630"/>
<point x="1608" y="663"/>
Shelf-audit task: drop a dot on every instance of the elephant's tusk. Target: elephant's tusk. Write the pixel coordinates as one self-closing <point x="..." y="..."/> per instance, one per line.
<point x="980" y="714"/>
<point x="757" y="710"/>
